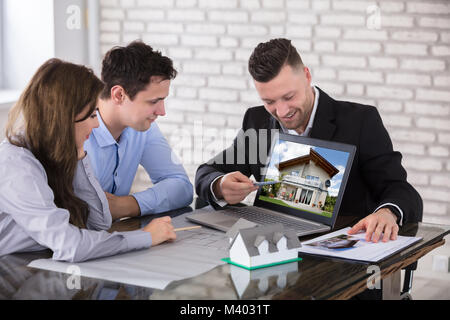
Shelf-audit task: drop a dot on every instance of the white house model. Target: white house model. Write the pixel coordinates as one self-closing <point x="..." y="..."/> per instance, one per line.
<point x="262" y="245"/>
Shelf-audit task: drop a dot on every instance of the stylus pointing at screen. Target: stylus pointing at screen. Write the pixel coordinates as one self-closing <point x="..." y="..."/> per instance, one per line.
<point x="265" y="183"/>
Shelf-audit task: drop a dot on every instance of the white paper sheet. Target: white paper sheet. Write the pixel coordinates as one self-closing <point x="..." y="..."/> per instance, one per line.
<point x="361" y="250"/>
<point x="194" y="252"/>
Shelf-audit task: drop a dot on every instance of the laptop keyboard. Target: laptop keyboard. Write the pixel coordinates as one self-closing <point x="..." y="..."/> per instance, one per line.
<point x="260" y="217"/>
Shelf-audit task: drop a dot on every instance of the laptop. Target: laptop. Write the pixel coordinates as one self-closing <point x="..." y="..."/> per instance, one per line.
<point x="309" y="178"/>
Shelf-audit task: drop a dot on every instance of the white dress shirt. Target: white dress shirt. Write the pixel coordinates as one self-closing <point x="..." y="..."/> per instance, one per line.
<point x="306" y="133"/>
<point x="30" y="220"/>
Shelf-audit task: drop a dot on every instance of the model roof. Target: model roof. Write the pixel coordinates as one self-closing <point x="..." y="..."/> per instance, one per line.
<point x="252" y="237"/>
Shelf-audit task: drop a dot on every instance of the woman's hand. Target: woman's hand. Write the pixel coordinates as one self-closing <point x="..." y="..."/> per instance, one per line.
<point x="161" y="230"/>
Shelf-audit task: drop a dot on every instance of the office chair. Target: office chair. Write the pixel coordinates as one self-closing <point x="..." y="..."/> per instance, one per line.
<point x="409" y="270"/>
<point x="407" y="282"/>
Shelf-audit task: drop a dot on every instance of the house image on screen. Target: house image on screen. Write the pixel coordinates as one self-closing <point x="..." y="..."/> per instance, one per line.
<point x="305" y="180"/>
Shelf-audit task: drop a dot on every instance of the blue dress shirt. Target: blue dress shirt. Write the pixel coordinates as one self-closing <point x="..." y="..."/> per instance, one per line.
<point x="115" y="165"/>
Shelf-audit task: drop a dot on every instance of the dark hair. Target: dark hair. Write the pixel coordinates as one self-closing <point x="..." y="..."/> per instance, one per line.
<point x="43" y="121"/>
<point x="269" y="57"/>
<point x="132" y="67"/>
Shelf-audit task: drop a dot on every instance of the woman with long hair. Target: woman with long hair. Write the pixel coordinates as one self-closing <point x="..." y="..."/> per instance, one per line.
<point x="49" y="197"/>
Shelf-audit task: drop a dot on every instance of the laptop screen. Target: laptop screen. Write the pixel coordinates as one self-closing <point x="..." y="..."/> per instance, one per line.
<point x="310" y="177"/>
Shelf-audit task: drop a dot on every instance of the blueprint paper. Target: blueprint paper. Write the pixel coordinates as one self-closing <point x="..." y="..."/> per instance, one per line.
<point x="194" y="252"/>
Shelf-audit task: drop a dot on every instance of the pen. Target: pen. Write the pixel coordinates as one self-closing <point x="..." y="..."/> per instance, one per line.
<point x="265" y="183"/>
<point x="187" y="228"/>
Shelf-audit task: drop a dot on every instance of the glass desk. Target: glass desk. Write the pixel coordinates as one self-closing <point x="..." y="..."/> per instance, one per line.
<point x="311" y="278"/>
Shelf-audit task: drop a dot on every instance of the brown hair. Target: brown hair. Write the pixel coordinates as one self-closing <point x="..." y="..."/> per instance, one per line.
<point x="269" y="57"/>
<point x="57" y="93"/>
<point x="132" y="67"/>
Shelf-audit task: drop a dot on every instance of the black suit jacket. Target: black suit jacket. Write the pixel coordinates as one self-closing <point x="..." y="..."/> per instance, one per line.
<point x="376" y="177"/>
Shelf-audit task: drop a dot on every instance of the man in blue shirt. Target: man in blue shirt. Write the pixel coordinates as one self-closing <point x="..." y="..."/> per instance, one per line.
<point x="137" y="81"/>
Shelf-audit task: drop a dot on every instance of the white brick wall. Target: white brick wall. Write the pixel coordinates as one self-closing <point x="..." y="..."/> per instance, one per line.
<point x="401" y="65"/>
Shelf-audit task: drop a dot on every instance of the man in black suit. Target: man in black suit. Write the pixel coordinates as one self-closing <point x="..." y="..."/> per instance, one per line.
<point x="377" y="189"/>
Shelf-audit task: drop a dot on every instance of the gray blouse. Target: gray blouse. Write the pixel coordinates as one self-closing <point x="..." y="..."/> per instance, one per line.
<point x="30" y="220"/>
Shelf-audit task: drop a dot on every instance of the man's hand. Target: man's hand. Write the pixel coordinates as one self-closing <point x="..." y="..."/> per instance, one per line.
<point x="382" y="221"/>
<point x="161" y="230"/>
<point x="233" y="187"/>
<point x="122" y="207"/>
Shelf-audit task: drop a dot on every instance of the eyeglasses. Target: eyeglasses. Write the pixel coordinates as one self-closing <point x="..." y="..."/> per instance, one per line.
<point x="87" y="116"/>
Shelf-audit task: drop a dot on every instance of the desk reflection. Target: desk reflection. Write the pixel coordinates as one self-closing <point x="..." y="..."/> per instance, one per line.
<point x="229" y="282"/>
<point x="251" y="284"/>
<point x="18" y="282"/>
